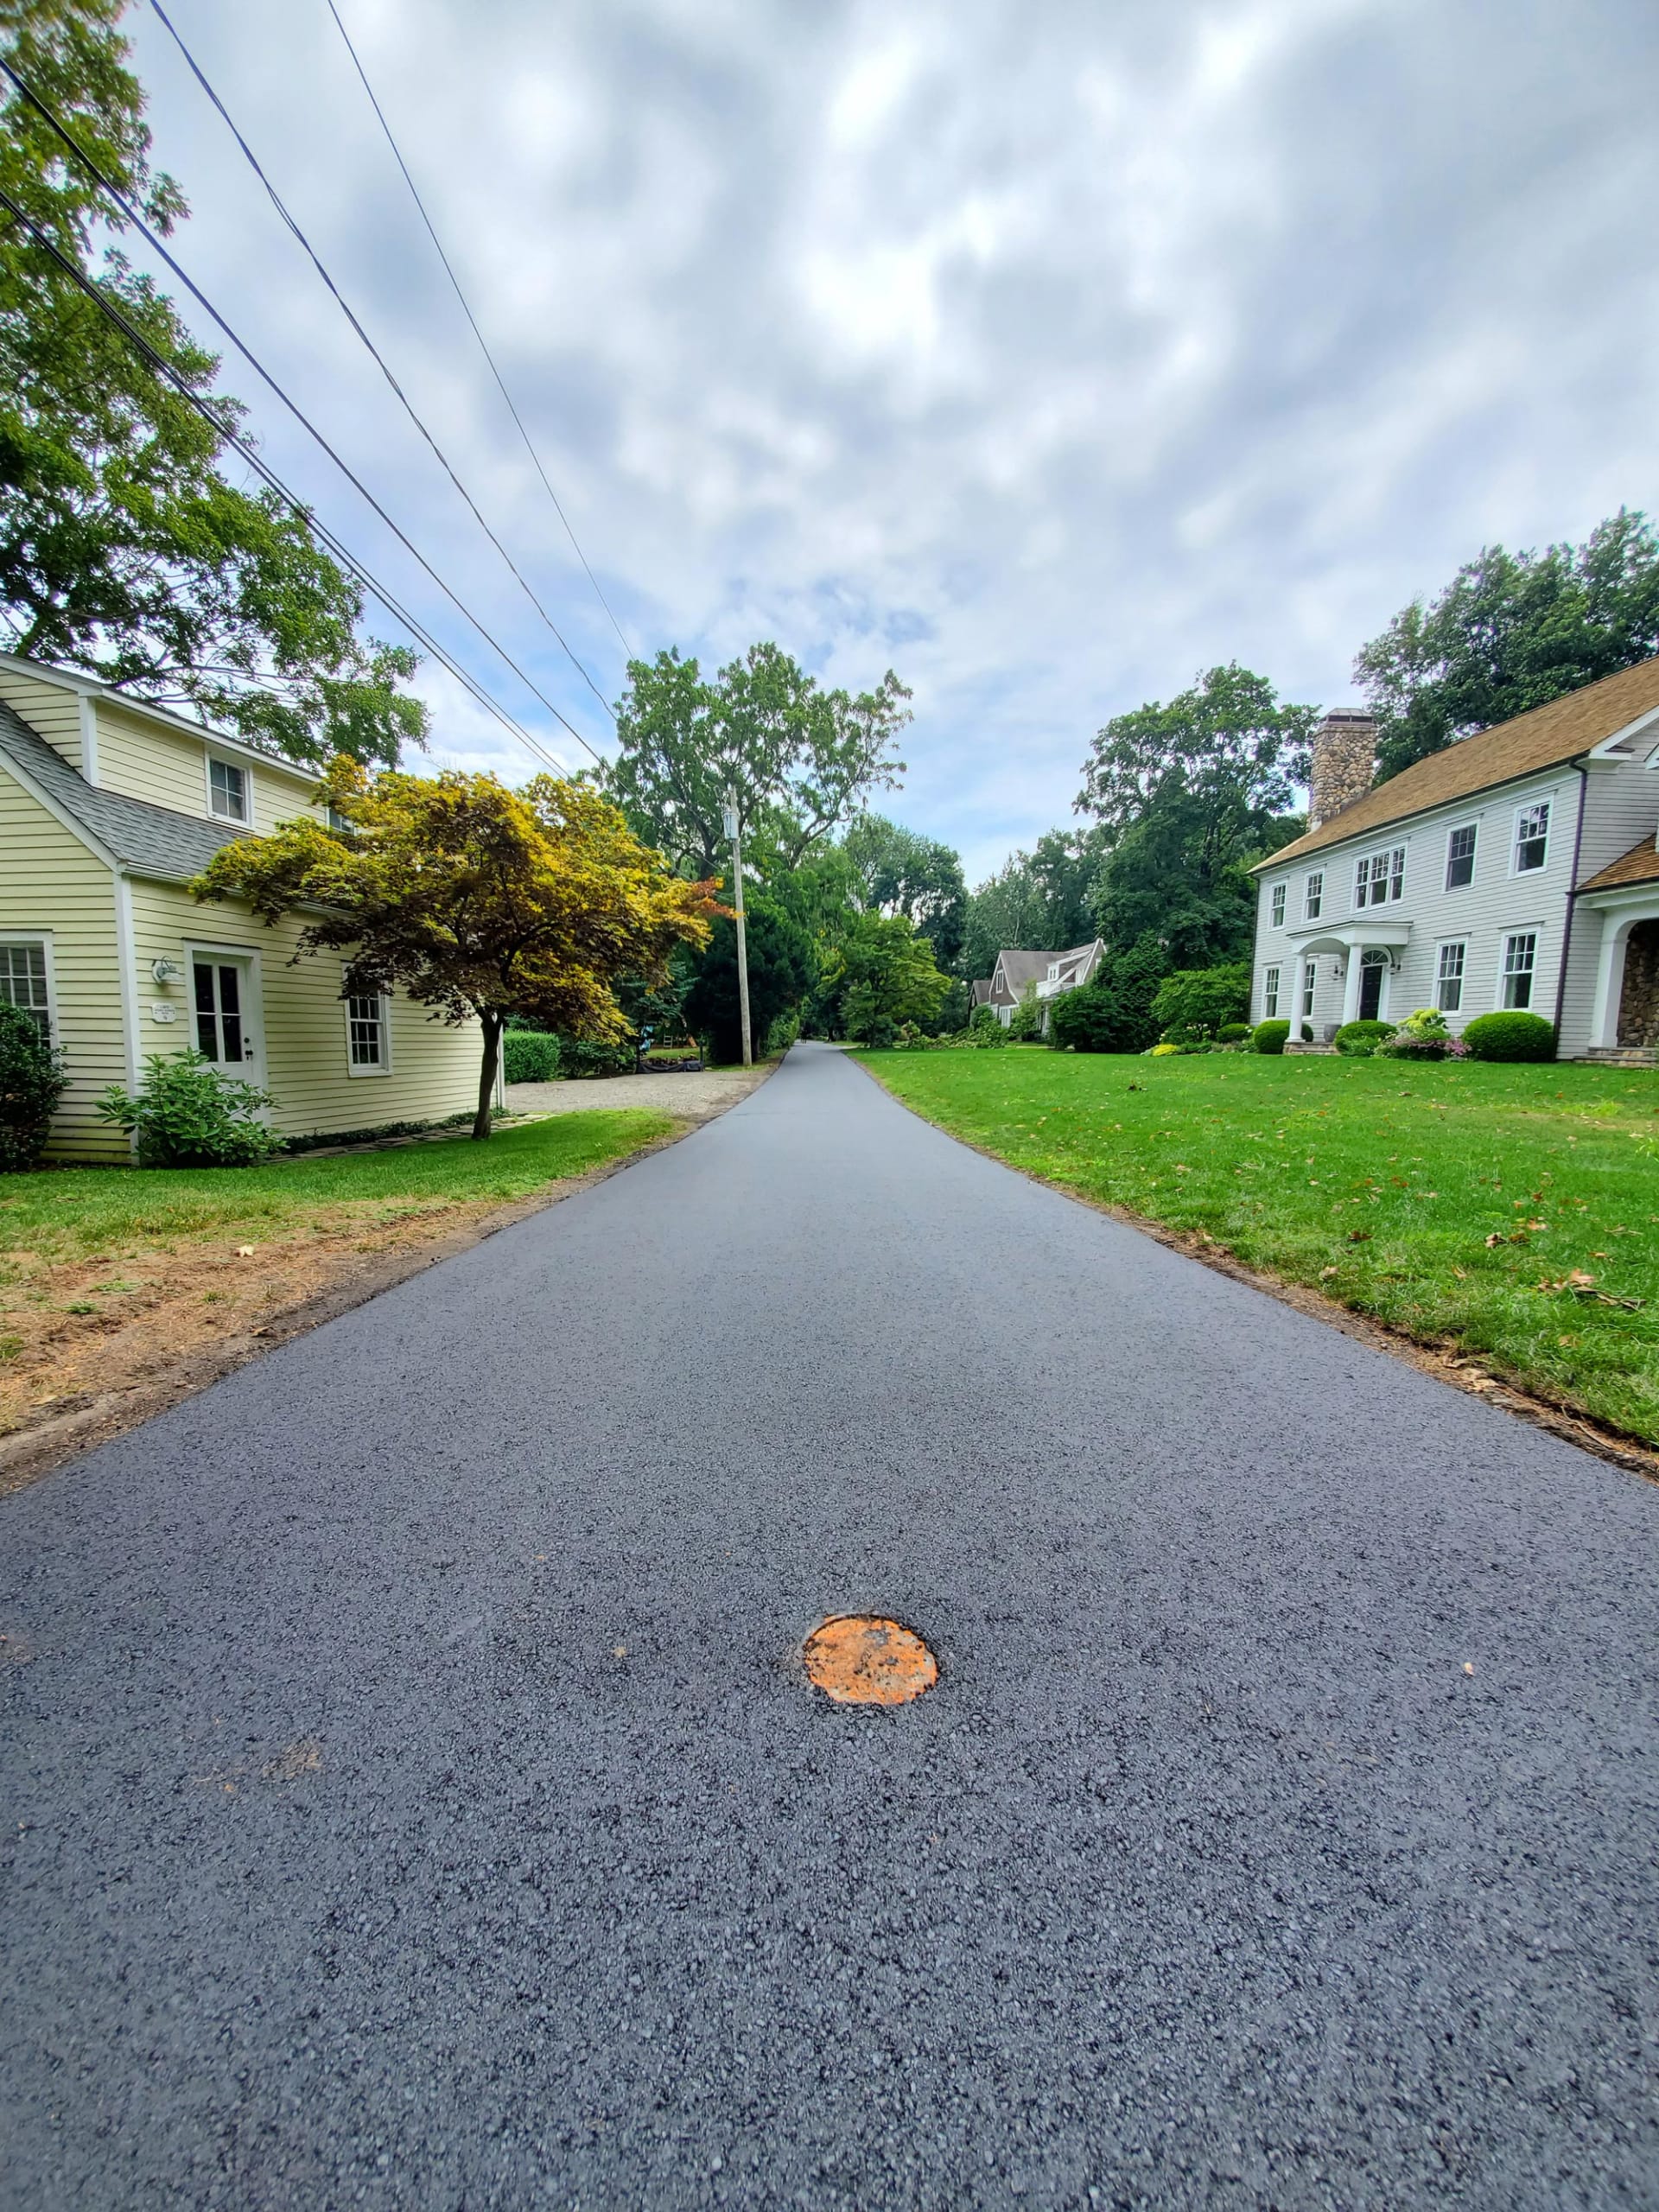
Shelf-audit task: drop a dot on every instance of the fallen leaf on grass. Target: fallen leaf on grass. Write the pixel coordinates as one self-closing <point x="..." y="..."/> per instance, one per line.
<point x="1326" y="1273"/>
<point x="1359" y="1236"/>
<point x="244" y="1251"/>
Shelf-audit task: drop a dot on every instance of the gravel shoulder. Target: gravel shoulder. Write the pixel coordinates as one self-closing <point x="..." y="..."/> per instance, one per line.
<point x="691" y="1097"/>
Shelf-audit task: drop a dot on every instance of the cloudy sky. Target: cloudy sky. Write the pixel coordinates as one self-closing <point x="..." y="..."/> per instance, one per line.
<point x="1044" y="354"/>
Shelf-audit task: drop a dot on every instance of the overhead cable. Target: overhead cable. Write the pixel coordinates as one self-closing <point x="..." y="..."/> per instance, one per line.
<point x="373" y="351"/>
<point x="243" y="445"/>
<point x="465" y="308"/>
<point x="138" y="222"/>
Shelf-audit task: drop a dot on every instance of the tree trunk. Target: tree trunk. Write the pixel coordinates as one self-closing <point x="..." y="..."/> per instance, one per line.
<point x="492" y="1023"/>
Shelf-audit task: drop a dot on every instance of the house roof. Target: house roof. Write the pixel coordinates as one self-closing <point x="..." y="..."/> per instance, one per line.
<point x="1020" y="968"/>
<point x="1639" y="865"/>
<point x="979" y="991"/>
<point x="148" y="840"/>
<point x="86" y="687"/>
<point x="1540" y="739"/>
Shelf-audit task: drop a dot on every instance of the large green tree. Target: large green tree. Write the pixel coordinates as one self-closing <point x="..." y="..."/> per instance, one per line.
<point x="782" y="968"/>
<point x="801" y="759"/>
<point x="1510" y="632"/>
<point x="125" y="552"/>
<point x="900" y="872"/>
<point x="881" y="974"/>
<point x="1042" y="900"/>
<point x="1188" y="794"/>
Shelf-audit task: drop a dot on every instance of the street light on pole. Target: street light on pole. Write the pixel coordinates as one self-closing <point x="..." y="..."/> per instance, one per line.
<point x="734" y="831"/>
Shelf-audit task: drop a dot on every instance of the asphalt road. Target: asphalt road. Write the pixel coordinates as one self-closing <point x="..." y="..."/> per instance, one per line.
<point x="412" y="1800"/>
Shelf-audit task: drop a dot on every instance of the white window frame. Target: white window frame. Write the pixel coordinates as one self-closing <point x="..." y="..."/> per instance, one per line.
<point x="1443" y="945"/>
<point x="1392" y="877"/>
<point x="1309" y="987"/>
<point x="382" y="1065"/>
<point x="1501" y="1001"/>
<point x="1278" y="898"/>
<point x="1313" y="895"/>
<point x="1270" y="981"/>
<point x="1532" y="806"/>
<point x="40" y="940"/>
<point x="236" y="768"/>
<point x="1456" y="830"/>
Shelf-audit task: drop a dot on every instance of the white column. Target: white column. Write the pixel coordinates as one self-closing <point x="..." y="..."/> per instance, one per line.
<point x="1609" y="979"/>
<point x="1351" y="987"/>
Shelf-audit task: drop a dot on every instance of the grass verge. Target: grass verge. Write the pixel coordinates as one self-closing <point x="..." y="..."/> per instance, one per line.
<point x="1510" y="1213"/>
<point x="109" y="1276"/>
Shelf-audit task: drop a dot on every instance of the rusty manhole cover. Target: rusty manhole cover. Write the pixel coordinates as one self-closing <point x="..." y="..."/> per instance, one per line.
<point x="861" y="1659"/>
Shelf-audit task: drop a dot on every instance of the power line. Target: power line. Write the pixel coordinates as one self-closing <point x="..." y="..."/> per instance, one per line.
<point x="299" y="417"/>
<point x="466" y="309"/>
<point x="373" y="351"/>
<point x="228" y="431"/>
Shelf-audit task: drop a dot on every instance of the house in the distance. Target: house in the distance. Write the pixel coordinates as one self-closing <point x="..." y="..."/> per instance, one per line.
<point x="1517" y="868"/>
<point x="1049" y="973"/>
<point x="108" y="808"/>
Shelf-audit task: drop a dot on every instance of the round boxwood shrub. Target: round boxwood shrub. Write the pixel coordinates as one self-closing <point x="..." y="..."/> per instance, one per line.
<point x="1270" y="1036"/>
<point x="31" y="1083"/>
<point x="1511" y="1036"/>
<point x="1232" y="1032"/>
<point x="1359" y="1040"/>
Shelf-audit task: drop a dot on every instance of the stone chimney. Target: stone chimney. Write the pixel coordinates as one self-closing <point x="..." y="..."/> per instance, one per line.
<point x="1344" y="760"/>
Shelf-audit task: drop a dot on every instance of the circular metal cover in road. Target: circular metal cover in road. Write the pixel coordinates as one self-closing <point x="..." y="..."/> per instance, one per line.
<point x="861" y="1659"/>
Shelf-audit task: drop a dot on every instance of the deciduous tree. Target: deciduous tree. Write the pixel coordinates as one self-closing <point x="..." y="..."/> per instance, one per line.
<point x="123" y="549"/>
<point x="473" y="900"/>
<point x="900" y="872"/>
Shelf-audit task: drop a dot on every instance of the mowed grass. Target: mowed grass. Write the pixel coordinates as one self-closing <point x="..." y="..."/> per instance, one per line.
<point x="1377" y="1182"/>
<point x="62" y="1214"/>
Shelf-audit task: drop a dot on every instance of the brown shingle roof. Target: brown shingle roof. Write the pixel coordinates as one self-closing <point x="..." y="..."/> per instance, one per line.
<point x="1639" y="865"/>
<point x="1559" y="731"/>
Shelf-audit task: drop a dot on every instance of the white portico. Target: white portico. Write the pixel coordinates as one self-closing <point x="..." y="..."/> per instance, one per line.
<point x="1361" y="956"/>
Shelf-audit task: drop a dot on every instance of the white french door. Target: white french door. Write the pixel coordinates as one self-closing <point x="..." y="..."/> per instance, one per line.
<point x="224" y="1013"/>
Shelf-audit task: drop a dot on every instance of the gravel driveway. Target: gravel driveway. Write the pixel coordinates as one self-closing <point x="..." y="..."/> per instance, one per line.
<point x="694" y="1096"/>
<point x="414" y="1797"/>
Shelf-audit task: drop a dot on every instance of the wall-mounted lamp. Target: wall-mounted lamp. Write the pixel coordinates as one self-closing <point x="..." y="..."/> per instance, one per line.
<point x="166" y="971"/>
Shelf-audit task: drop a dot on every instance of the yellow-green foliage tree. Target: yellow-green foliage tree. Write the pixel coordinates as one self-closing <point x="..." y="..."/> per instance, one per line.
<point x="472" y="899"/>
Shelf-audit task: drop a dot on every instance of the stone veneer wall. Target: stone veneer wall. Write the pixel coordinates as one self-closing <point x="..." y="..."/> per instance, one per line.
<point x="1344" y="761"/>
<point x="1638" y="1006"/>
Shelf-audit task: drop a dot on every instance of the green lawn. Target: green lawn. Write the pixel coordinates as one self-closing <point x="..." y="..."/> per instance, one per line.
<point x="1379" y="1182"/>
<point x="56" y="1213"/>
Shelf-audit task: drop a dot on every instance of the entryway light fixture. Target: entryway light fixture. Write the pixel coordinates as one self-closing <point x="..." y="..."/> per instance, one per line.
<point x="166" y="971"/>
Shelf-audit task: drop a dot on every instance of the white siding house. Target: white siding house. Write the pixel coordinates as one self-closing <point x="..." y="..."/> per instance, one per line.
<point x="1508" y="870"/>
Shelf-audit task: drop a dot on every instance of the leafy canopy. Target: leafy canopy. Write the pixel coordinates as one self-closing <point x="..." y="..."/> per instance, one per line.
<point x="801" y="759"/>
<point x="1040" y="901"/>
<point x="1511" y="631"/>
<point x="473" y="900"/>
<point x="123" y="551"/>
<point x="899" y="871"/>
<point x="1189" y="794"/>
<point x="881" y="974"/>
<point x="782" y="968"/>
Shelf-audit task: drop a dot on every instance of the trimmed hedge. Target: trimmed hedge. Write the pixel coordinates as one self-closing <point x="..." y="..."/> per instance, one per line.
<point x="1232" y="1032"/>
<point x="1270" y="1036"/>
<point x="1509" y="1036"/>
<point x="1359" y="1040"/>
<point x="529" y="1056"/>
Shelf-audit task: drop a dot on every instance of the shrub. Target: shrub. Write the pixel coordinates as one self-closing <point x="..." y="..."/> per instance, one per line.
<point x="982" y="1036"/>
<point x="1270" y="1036"/>
<point x="31" y="1083"/>
<point x="1420" y="1036"/>
<point x="1509" y="1036"/>
<point x="984" y="1017"/>
<point x="1232" y="1032"/>
<point x="1026" y="1025"/>
<point x="187" y="1113"/>
<point x="1359" y="1040"/>
<point x="581" y="1056"/>
<point x="1162" y="1051"/>
<point x="529" y="1056"/>
<point x="1192" y="1004"/>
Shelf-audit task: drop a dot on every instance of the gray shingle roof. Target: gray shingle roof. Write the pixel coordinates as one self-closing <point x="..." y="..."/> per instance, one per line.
<point x="148" y="840"/>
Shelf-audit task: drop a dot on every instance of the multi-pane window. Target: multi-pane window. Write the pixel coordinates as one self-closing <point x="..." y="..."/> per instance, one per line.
<point x="1448" y="980"/>
<point x="22" y="982"/>
<point x="1460" y="857"/>
<point x="1531" y="839"/>
<point x="365" y="1023"/>
<point x="1379" y="876"/>
<point x="1520" y="960"/>
<point x="1278" y="905"/>
<point x="216" y="988"/>
<point x="1313" y="896"/>
<point x="227" y="791"/>
<point x="1310" y="975"/>
<point x="1270" y="995"/>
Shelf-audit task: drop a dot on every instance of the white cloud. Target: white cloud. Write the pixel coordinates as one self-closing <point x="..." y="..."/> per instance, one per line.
<point x="1046" y="355"/>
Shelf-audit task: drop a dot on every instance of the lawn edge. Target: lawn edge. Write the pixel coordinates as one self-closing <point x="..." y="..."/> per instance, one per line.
<point x="1467" y="1373"/>
<point x="40" y="1447"/>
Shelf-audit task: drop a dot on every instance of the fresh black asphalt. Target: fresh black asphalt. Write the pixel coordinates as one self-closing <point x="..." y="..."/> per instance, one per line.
<point x="412" y="1799"/>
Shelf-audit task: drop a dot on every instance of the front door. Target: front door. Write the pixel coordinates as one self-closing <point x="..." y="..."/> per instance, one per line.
<point x="1372" y="970"/>
<point x="223" y="1013"/>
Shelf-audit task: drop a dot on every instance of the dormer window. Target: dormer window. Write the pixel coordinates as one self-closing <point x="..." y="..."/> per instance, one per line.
<point x="1053" y="972"/>
<point x="227" y="791"/>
